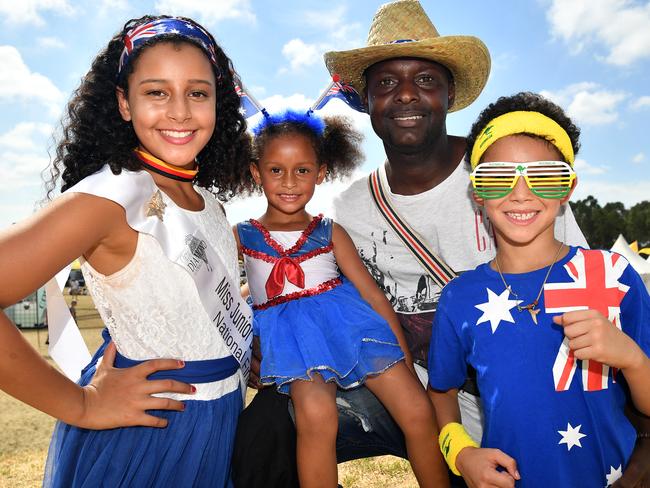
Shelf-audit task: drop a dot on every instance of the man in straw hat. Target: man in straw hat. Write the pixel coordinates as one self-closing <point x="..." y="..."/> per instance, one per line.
<point x="410" y="78"/>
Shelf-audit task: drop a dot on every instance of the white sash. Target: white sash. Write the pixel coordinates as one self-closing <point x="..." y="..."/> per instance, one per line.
<point x="66" y="345"/>
<point x="184" y="244"/>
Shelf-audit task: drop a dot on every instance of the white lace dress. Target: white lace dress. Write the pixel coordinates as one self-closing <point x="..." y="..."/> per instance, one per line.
<point x="129" y="301"/>
<point x="152" y="309"/>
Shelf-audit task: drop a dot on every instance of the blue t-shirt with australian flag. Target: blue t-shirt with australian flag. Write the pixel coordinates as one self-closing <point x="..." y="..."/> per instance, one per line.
<point x="560" y="418"/>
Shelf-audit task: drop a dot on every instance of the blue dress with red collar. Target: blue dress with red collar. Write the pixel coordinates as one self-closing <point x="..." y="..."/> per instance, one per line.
<point x="310" y="318"/>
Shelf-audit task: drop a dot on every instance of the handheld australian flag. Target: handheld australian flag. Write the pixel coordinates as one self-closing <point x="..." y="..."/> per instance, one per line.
<point x="343" y="91"/>
<point x="248" y="106"/>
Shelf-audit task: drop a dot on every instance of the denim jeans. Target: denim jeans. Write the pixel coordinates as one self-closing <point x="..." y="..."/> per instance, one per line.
<point x="365" y="427"/>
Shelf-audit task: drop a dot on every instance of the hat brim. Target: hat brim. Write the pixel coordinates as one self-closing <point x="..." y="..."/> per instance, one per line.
<point x="466" y="57"/>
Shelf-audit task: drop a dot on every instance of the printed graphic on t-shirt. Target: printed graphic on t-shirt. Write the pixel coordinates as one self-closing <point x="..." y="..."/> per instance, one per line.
<point x="414" y="308"/>
<point x="426" y="294"/>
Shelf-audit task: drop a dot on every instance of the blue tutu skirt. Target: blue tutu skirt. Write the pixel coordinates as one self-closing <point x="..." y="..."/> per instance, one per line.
<point x="336" y="334"/>
<point x="194" y="450"/>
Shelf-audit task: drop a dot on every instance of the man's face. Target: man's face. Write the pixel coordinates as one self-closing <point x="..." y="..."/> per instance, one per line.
<point x="408" y="99"/>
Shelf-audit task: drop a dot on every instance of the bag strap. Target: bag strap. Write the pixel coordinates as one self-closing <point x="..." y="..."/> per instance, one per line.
<point x="434" y="265"/>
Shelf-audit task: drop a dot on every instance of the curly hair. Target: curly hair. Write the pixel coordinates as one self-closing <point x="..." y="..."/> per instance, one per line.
<point x="524" y="101"/>
<point x="334" y="139"/>
<point x="94" y="134"/>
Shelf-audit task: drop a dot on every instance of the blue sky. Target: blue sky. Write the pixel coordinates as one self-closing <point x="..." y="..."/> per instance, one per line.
<point x="590" y="56"/>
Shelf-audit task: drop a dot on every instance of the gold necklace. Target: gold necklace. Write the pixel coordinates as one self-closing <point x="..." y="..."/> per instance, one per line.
<point x="531" y="307"/>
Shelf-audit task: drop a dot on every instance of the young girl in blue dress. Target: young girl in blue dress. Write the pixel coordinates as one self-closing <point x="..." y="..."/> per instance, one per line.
<point x="556" y="333"/>
<point x="323" y="323"/>
<point x="153" y="135"/>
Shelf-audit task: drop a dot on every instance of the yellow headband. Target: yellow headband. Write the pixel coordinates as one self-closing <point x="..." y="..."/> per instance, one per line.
<point x="518" y="123"/>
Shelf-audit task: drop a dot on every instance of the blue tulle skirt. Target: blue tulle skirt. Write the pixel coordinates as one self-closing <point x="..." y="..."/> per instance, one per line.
<point x="336" y="334"/>
<point x="194" y="450"/>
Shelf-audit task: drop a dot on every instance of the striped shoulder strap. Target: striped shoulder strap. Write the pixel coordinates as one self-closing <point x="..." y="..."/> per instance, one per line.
<point x="439" y="271"/>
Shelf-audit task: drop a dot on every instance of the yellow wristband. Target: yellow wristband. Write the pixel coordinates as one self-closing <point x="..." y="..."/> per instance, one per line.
<point x="454" y="438"/>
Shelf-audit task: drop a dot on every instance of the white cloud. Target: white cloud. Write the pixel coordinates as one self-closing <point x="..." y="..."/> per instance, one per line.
<point x="21" y="169"/>
<point x="587" y="103"/>
<point x="21" y="137"/>
<point x="641" y="103"/>
<point x="339" y="34"/>
<point x="332" y="21"/>
<point x="112" y="9"/>
<point x="620" y="26"/>
<point x="29" y="11"/>
<point x="582" y="167"/>
<point x="208" y="11"/>
<point x="300" y="54"/>
<point x="113" y="5"/>
<point x="297" y="101"/>
<point x="18" y="82"/>
<point x="50" y="42"/>
<point x="23" y="155"/>
<point x="638" y="158"/>
<point x="595" y="107"/>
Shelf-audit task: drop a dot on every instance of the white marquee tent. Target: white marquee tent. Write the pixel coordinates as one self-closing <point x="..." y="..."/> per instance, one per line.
<point x="641" y="265"/>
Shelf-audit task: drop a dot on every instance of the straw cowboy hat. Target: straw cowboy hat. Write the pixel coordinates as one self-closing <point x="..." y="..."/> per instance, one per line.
<point x="402" y="29"/>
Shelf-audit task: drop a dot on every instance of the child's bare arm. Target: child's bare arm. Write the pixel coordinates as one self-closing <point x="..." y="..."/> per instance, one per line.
<point x="352" y="267"/>
<point x="445" y="404"/>
<point x="592" y="336"/>
<point x="478" y="466"/>
<point x="30" y="254"/>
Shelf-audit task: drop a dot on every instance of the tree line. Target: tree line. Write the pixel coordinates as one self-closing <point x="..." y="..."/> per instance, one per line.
<point x="602" y="225"/>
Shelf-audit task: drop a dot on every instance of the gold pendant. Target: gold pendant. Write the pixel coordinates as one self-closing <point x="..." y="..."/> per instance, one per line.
<point x="156" y="206"/>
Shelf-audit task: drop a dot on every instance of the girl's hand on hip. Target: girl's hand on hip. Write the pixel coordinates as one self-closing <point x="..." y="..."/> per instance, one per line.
<point x="119" y="397"/>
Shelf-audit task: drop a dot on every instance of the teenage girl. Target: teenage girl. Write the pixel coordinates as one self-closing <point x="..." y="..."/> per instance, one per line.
<point x="553" y="331"/>
<point x="152" y="136"/>
<point x="322" y="321"/>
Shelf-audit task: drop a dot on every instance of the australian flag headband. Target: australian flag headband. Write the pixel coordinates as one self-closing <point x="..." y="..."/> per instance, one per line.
<point x="139" y="35"/>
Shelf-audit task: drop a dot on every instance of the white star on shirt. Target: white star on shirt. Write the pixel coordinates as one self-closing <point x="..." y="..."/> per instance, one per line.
<point x="571" y="437"/>
<point x="496" y="309"/>
<point x="614" y="474"/>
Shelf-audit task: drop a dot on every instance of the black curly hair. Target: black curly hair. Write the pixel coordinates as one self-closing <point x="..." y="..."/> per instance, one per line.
<point x="337" y="147"/>
<point x="94" y="134"/>
<point x="524" y="101"/>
